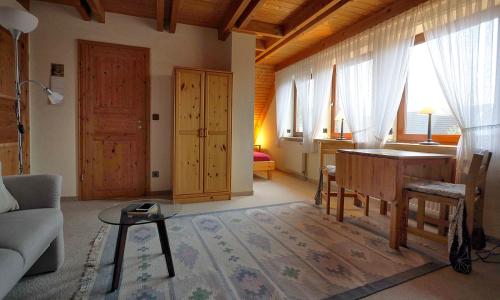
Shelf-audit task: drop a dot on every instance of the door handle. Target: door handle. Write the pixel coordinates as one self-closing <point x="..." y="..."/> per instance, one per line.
<point x="139" y="124"/>
<point x="202" y="132"/>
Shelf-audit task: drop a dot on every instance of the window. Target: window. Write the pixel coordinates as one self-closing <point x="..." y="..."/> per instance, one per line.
<point x="423" y="90"/>
<point x="298" y="121"/>
<point x="336" y="112"/>
<point x="298" y="107"/>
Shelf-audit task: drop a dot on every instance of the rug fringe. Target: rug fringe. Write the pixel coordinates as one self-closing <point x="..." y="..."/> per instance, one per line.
<point x="90" y="268"/>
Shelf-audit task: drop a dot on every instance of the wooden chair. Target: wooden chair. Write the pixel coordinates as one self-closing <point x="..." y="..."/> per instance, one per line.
<point x="328" y="170"/>
<point x="448" y="194"/>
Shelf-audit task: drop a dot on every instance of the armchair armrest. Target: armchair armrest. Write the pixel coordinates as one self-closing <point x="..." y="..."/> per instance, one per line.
<point x="35" y="191"/>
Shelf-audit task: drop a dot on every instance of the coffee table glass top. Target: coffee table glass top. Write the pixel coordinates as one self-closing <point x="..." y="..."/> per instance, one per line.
<point x="117" y="214"/>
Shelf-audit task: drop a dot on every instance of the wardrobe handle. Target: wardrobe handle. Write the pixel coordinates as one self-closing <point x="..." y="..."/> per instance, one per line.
<point x="206" y="132"/>
<point x="200" y="132"/>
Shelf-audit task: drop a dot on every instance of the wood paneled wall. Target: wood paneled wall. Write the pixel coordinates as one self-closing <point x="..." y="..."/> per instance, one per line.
<point x="8" y="129"/>
<point x="264" y="93"/>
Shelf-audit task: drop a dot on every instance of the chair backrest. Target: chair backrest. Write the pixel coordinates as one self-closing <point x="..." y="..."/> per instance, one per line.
<point x="476" y="177"/>
<point x="327" y="150"/>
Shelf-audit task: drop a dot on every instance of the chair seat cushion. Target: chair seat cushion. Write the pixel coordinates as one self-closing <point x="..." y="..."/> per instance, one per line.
<point x="444" y="189"/>
<point x="330" y="169"/>
<point x="30" y="232"/>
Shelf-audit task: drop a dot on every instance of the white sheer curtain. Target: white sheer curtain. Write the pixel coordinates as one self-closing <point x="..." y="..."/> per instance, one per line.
<point x="462" y="37"/>
<point x="302" y="75"/>
<point x="391" y="42"/>
<point x="354" y="77"/>
<point x="371" y="73"/>
<point x="322" y="71"/>
<point x="284" y="85"/>
<point x="313" y="80"/>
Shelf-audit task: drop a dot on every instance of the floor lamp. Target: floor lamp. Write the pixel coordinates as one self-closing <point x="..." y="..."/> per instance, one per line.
<point x="17" y="22"/>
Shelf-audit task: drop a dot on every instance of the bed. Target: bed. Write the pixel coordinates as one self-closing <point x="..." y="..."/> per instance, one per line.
<point x="262" y="162"/>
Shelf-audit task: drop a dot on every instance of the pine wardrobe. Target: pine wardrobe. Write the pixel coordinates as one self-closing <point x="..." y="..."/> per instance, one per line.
<point x="202" y="135"/>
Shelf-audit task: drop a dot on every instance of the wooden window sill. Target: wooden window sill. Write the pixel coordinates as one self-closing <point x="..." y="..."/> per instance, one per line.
<point x="441" y="148"/>
<point x="329" y="140"/>
<point x="293" y="139"/>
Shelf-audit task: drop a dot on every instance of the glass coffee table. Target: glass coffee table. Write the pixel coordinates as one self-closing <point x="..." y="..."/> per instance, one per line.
<point x="117" y="215"/>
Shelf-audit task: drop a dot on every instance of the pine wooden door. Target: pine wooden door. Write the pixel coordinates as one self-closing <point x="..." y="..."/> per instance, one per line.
<point x="218" y="127"/>
<point x="114" y="104"/>
<point x="188" y="130"/>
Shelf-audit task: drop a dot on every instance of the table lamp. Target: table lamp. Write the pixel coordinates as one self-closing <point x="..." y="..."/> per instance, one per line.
<point x="340" y="117"/>
<point x="428" y="110"/>
<point x="17" y="22"/>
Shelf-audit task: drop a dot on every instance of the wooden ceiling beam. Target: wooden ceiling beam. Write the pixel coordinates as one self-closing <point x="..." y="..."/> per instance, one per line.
<point x="229" y="21"/>
<point x="262" y="29"/>
<point x="260" y="45"/>
<point x="160" y="15"/>
<point x="249" y="13"/>
<point x="81" y="6"/>
<point x="97" y="10"/>
<point x="83" y="10"/>
<point x="174" y="15"/>
<point x="397" y="8"/>
<point x="304" y="19"/>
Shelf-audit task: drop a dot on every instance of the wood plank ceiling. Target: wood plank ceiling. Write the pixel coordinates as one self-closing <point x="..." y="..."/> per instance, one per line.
<point x="286" y="30"/>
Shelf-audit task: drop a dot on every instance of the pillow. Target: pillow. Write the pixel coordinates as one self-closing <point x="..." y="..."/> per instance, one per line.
<point x="7" y="201"/>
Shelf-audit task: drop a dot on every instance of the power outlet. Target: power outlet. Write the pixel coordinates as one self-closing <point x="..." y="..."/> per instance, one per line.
<point x="156" y="174"/>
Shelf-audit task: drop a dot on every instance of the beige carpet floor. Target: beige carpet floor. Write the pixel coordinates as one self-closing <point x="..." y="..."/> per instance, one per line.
<point x="81" y="225"/>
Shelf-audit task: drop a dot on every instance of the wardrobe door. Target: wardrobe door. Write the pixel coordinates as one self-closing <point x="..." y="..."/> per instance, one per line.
<point x="218" y="132"/>
<point x="189" y="121"/>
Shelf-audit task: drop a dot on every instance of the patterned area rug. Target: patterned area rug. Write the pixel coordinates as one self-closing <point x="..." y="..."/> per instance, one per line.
<point x="287" y="251"/>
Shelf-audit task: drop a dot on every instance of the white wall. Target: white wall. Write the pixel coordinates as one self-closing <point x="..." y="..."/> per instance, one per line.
<point x="11" y="3"/>
<point x="243" y="68"/>
<point x="54" y="128"/>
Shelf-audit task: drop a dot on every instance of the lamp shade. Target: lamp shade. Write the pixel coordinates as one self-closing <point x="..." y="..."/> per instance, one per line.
<point x="427" y="110"/>
<point x="17" y="19"/>
<point x="54" y="97"/>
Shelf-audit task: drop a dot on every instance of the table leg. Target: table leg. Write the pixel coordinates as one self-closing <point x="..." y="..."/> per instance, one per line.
<point x="394" y="226"/>
<point x="119" y="250"/>
<point x="340" y="204"/>
<point x="367" y="205"/>
<point x="403" y="221"/>
<point x="328" y="196"/>
<point x="165" y="247"/>
<point x="383" y="207"/>
<point x="117" y="247"/>
<point x="399" y="218"/>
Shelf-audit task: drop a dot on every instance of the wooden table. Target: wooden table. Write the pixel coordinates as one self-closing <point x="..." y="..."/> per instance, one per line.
<point x="381" y="173"/>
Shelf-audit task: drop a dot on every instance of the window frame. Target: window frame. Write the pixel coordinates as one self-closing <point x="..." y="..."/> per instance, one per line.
<point x="333" y="104"/>
<point x="295" y="133"/>
<point x="401" y="135"/>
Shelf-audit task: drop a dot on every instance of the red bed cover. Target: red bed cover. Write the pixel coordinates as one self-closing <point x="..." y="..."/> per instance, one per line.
<point x="260" y="156"/>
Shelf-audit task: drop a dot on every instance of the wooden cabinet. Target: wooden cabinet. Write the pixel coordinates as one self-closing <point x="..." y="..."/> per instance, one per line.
<point x="202" y="135"/>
